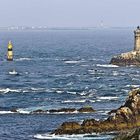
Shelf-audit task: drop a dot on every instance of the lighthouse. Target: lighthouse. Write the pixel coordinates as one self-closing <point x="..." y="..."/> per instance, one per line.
<point x="10" y="51"/>
<point x="137" y="39"/>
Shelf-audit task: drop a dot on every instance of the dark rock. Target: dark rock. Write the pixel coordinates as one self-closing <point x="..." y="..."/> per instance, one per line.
<point x="69" y="128"/>
<point x="39" y="111"/>
<point x="66" y="110"/>
<point x="14" y="110"/>
<point x="86" y="109"/>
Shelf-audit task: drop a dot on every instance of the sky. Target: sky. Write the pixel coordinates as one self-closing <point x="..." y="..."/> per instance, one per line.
<point x="70" y="13"/>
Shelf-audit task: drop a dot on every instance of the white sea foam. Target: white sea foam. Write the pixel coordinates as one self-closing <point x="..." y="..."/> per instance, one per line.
<point x="73" y="61"/>
<point x="74" y="112"/>
<point x="7" y="90"/>
<point x="29" y="110"/>
<point x="74" y="101"/>
<point x="103" y="112"/>
<point x="82" y="93"/>
<point x="36" y="89"/>
<point x="84" y="65"/>
<point x="71" y="137"/>
<point x="30" y="90"/>
<point x="22" y="111"/>
<point x="70" y="83"/>
<point x="107" y="65"/>
<point x="13" y="72"/>
<point x="108" y="98"/>
<point x="59" y="91"/>
<point x="71" y="92"/>
<point x="133" y="86"/>
<point x="6" y="112"/>
<point x="23" y="59"/>
<point x="98" y="100"/>
<point x="115" y="73"/>
<point x="46" y="136"/>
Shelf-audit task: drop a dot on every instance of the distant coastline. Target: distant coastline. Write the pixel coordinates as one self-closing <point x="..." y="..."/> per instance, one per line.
<point x="44" y="28"/>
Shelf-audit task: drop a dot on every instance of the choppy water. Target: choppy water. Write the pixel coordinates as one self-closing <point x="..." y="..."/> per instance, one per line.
<point x="59" y="69"/>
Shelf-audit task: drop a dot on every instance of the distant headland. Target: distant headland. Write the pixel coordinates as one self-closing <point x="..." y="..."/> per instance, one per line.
<point x="132" y="57"/>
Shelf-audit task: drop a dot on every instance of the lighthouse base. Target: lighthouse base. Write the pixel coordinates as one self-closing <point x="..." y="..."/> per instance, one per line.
<point x="129" y="58"/>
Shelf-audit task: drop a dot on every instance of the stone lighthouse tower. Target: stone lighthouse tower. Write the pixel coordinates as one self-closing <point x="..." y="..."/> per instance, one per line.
<point x="137" y="39"/>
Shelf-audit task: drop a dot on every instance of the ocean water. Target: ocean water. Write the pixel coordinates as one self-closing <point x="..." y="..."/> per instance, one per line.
<point x="62" y="68"/>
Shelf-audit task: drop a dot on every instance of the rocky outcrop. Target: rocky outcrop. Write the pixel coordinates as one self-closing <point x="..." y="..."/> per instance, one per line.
<point x="70" y="128"/>
<point x="129" y="58"/>
<point x="123" y="118"/>
<point x="87" y="109"/>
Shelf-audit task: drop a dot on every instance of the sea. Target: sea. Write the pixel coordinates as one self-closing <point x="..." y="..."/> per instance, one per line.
<point x="56" y="69"/>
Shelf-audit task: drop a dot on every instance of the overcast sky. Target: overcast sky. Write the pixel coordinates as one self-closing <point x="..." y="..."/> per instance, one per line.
<point x="69" y="13"/>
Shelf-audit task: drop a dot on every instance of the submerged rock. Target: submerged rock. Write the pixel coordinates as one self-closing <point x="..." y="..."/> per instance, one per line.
<point x="125" y="117"/>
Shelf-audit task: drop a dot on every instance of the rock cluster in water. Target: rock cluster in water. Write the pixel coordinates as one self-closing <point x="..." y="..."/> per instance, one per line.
<point x="129" y="58"/>
<point x="87" y="109"/>
<point x="125" y="117"/>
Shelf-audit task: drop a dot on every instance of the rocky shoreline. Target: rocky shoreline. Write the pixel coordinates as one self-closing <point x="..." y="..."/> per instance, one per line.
<point x="125" y="117"/>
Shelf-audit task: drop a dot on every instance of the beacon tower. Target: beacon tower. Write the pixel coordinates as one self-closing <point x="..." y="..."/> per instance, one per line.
<point x="10" y="51"/>
<point x="137" y="39"/>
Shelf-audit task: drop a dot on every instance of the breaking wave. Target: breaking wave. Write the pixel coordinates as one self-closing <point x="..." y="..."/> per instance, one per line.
<point x="73" y="137"/>
<point x="108" y="98"/>
<point x="6" y="112"/>
<point x="107" y="65"/>
<point x="78" y="101"/>
<point x="7" y="90"/>
<point x="23" y="59"/>
<point x="24" y="90"/>
<point x="74" y="101"/>
<point x="133" y="86"/>
<point x="73" y="61"/>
